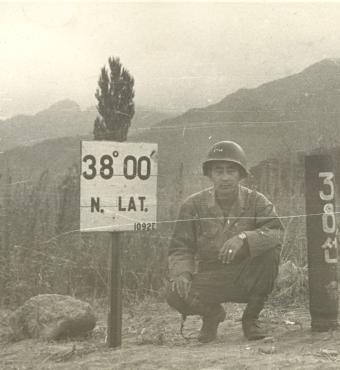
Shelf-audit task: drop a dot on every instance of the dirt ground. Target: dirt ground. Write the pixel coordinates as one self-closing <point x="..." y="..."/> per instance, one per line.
<point x="151" y="340"/>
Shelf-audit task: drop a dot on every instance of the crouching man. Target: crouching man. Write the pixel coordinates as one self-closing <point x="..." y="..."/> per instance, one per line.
<point x="234" y="235"/>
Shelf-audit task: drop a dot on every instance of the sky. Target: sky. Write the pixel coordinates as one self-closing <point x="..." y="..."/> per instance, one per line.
<point x="182" y="55"/>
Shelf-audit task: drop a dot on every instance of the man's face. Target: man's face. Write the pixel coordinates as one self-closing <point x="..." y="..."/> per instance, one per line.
<point x="225" y="177"/>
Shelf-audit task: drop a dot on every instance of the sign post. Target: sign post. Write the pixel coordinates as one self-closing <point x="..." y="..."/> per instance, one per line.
<point x="322" y="242"/>
<point x="114" y="323"/>
<point x="118" y="192"/>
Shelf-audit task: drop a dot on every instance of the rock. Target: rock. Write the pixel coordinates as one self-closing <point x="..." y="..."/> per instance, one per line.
<point x="150" y="337"/>
<point x="328" y="352"/>
<point x="52" y="317"/>
<point x="289" y="322"/>
<point x="269" y="340"/>
<point x="267" y="350"/>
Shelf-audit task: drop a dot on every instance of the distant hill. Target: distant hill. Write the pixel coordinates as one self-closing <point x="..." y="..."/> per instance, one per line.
<point x="314" y="90"/>
<point x="62" y="119"/>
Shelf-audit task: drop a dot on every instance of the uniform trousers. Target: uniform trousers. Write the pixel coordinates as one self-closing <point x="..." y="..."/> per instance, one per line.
<point x="239" y="282"/>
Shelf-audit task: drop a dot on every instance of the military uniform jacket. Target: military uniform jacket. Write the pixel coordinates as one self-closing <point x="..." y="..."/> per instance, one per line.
<point x="201" y="228"/>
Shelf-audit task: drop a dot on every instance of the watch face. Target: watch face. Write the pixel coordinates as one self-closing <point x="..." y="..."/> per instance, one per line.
<point x="242" y="236"/>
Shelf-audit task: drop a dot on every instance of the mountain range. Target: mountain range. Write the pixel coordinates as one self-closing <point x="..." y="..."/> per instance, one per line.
<point x="63" y="119"/>
<point x="275" y="120"/>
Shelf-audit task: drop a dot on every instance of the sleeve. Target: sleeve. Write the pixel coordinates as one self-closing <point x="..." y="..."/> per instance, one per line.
<point x="268" y="231"/>
<point x="182" y="249"/>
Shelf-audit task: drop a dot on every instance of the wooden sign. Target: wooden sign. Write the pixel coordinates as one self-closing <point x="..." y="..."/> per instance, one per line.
<point x="322" y="242"/>
<point x="118" y="186"/>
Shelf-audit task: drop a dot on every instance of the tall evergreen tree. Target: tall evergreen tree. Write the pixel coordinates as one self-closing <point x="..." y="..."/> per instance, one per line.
<point x="115" y="95"/>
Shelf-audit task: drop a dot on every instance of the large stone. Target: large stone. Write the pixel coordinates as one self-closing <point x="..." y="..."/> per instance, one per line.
<point x="52" y="317"/>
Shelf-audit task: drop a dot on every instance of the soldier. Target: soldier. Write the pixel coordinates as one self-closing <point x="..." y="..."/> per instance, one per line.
<point x="225" y="246"/>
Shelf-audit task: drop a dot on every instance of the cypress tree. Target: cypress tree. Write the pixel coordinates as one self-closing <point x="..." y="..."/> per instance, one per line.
<point x="115" y="95"/>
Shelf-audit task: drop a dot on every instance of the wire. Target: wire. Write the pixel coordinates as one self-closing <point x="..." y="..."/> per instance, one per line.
<point x="110" y="226"/>
<point x="215" y="124"/>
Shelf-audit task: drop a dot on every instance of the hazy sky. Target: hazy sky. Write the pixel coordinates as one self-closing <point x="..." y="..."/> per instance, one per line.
<point x="182" y="55"/>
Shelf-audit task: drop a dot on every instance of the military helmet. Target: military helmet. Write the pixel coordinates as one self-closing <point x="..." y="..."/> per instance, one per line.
<point x="226" y="151"/>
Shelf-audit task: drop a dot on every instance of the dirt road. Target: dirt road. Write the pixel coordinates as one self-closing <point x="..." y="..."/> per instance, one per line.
<point x="151" y="340"/>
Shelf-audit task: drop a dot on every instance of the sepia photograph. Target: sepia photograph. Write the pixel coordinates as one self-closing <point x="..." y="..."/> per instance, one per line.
<point x="169" y="185"/>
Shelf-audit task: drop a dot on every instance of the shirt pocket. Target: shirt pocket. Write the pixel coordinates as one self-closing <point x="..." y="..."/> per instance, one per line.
<point x="208" y="241"/>
<point x="209" y="229"/>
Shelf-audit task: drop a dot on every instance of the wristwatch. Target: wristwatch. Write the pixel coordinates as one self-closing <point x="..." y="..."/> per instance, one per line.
<point x="242" y="236"/>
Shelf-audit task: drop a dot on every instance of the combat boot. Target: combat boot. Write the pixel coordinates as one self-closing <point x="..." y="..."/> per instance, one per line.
<point x="210" y="324"/>
<point x="252" y="330"/>
<point x="250" y="326"/>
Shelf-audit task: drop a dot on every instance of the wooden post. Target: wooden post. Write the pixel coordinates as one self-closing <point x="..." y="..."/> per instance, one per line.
<point x="322" y="243"/>
<point x="114" y="325"/>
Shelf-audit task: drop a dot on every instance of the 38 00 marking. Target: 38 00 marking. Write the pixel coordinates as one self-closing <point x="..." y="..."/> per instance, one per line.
<point x="132" y="167"/>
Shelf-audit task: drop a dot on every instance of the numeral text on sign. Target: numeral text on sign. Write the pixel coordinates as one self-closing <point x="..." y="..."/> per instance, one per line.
<point x="328" y="217"/>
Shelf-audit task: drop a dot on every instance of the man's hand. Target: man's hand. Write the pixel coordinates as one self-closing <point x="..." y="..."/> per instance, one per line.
<point x="182" y="284"/>
<point x="231" y="249"/>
